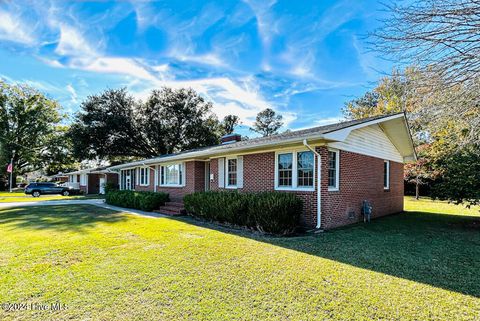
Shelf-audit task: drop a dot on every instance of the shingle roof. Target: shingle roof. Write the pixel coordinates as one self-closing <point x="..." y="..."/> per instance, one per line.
<point x="303" y="133"/>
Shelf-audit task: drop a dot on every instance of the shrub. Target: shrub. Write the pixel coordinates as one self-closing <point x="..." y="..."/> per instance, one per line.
<point x="268" y="212"/>
<point x="275" y="213"/>
<point x="145" y="201"/>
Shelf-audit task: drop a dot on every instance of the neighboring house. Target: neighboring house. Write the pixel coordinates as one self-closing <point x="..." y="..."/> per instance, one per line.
<point x="359" y="160"/>
<point x="59" y="178"/>
<point x="92" y="180"/>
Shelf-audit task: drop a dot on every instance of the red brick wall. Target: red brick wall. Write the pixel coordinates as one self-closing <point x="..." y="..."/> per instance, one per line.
<point x="195" y="182"/>
<point x="112" y="178"/>
<point x="361" y="178"/>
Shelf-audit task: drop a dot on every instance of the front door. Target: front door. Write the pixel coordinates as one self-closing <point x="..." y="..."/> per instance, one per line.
<point x="101" y="185"/>
<point x="207" y="176"/>
<point x="128" y="185"/>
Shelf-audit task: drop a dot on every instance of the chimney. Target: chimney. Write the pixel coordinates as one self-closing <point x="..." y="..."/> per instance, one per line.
<point x="230" y="138"/>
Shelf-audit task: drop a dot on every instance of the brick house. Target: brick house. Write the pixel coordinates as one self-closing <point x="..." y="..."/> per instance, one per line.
<point x="91" y="180"/>
<point x="333" y="168"/>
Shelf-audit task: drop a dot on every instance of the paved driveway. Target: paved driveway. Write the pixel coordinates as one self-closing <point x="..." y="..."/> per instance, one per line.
<point x="94" y="202"/>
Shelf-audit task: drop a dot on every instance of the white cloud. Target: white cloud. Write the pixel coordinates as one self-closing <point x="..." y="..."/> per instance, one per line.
<point x="72" y="43"/>
<point x="73" y="93"/>
<point x="13" y="29"/>
<point x="113" y="65"/>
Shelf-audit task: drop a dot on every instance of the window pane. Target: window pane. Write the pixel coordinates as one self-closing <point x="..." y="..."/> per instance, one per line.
<point x="232" y="172"/>
<point x="305" y="162"/>
<point x="285" y="165"/>
<point x="170" y="175"/>
<point x="332" y="169"/>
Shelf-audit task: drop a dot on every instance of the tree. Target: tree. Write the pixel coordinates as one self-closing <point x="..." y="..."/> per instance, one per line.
<point x="229" y="123"/>
<point x="460" y="172"/>
<point x="113" y="126"/>
<point x="105" y="127"/>
<point x="174" y="120"/>
<point x="28" y="128"/>
<point x="436" y="35"/>
<point x="267" y="122"/>
<point x="59" y="157"/>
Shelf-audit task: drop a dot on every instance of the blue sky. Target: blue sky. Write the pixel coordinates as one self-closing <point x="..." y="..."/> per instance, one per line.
<point x="302" y="58"/>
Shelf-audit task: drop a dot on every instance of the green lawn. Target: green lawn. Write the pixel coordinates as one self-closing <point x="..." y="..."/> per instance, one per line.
<point x="7" y="197"/>
<point x="420" y="265"/>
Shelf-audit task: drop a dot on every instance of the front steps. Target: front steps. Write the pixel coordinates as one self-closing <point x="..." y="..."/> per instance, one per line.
<point x="172" y="208"/>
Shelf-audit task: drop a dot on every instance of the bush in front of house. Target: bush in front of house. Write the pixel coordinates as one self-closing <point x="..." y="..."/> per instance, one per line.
<point x="223" y="207"/>
<point x="268" y="212"/>
<point x="145" y="201"/>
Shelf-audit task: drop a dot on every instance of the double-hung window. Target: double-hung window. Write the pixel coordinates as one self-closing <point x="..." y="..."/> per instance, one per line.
<point x="295" y="170"/>
<point x="386" y="174"/>
<point x="333" y="170"/>
<point x="285" y="170"/>
<point x="231" y="172"/>
<point x="144" y="174"/>
<point x="172" y="175"/>
<point x="305" y="162"/>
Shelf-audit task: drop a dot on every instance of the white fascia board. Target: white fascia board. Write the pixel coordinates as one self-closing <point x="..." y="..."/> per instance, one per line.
<point x="341" y="134"/>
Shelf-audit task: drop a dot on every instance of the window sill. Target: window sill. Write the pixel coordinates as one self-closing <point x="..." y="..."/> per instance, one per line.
<point x="333" y="189"/>
<point x="295" y="189"/>
<point x="386" y="189"/>
<point x="231" y="187"/>
<point x="176" y="186"/>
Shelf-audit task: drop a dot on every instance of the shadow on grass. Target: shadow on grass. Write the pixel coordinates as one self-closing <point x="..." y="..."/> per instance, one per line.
<point x="431" y="248"/>
<point x="58" y="217"/>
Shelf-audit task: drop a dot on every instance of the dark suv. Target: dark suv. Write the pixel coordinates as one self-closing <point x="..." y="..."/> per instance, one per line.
<point x="37" y="189"/>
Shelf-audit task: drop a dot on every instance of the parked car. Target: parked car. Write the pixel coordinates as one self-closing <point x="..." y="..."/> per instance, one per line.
<point x="37" y="189"/>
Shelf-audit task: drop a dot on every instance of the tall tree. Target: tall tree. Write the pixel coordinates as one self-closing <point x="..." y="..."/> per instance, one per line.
<point x="105" y="128"/>
<point x="177" y="119"/>
<point x="229" y="123"/>
<point x="112" y="125"/>
<point x="267" y="122"/>
<point x="28" y="127"/>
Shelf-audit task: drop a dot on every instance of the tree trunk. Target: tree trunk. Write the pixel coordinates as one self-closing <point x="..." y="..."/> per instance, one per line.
<point x="417" y="190"/>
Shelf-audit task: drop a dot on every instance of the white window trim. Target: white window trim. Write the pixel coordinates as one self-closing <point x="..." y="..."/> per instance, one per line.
<point x="294" y="186"/>
<point x="388" y="175"/>
<point x="335" y="188"/>
<point x="147" y="174"/>
<point x="183" y="178"/>
<point x="226" y="172"/>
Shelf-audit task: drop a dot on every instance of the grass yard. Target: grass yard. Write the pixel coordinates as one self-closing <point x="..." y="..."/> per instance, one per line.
<point x="420" y="265"/>
<point x="7" y="197"/>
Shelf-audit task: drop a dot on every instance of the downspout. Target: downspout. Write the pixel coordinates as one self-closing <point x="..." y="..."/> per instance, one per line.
<point x="319" y="183"/>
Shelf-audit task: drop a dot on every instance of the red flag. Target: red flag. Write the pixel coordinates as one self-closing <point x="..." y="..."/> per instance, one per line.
<point x="10" y="168"/>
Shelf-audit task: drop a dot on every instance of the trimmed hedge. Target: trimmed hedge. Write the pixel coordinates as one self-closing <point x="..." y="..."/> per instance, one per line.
<point x="145" y="201"/>
<point x="268" y="212"/>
